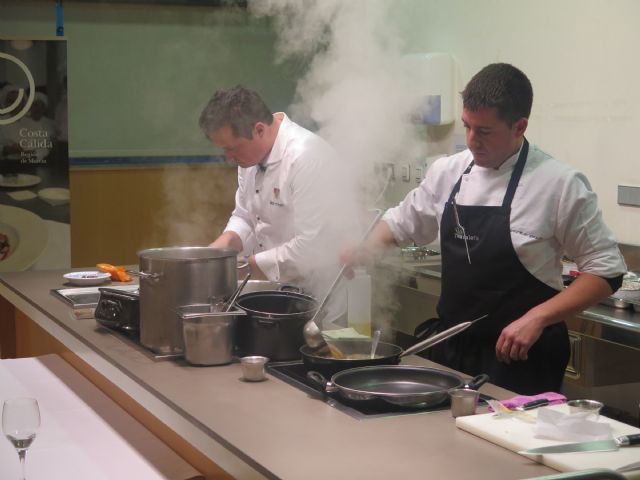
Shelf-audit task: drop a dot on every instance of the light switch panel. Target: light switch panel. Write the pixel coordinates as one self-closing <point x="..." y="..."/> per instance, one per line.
<point x="628" y="195"/>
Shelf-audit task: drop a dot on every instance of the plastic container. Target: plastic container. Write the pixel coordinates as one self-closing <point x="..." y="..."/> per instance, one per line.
<point x="359" y="302"/>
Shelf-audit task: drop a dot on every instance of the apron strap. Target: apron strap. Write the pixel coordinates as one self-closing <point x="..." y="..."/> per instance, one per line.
<point x="513" y="181"/>
<point x="456" y="187"/>
<point x="515" y="176"/>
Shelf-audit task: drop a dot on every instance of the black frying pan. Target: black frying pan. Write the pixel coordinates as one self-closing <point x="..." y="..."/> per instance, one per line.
<point x="386" y="353"/>
<point x="402" y="385"/>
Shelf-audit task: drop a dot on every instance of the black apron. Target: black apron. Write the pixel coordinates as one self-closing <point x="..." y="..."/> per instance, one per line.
<point x="494" y="283"/>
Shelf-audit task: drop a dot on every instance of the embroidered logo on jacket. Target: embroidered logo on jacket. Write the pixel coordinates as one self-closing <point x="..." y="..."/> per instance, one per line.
<point x="466" y="237"/>
<point x="276" y="194"/>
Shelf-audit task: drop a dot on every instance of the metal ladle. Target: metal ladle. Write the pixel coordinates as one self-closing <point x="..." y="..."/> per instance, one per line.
<point x="374" y="343"/>
<point x="312" y="334"/>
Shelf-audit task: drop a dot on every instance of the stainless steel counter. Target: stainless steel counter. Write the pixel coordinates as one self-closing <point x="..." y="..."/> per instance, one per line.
<point x="267" y="429"/>
<point x="622" y="326"/>
<point x="605" y="341"/>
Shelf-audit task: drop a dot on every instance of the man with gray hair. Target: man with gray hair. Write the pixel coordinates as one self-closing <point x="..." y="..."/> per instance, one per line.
<point x="284" y="219"/>
<point x="506" y="212"/>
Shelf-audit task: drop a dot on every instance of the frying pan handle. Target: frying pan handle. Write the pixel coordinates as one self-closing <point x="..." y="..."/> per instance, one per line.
<point x="440" y="337"/>
<point x="318" y="379"/>
<point x="477" y="381"/>
<point x="435" y="339"/>
<point x="265" y="322"/>
<point x="427" y="328"/>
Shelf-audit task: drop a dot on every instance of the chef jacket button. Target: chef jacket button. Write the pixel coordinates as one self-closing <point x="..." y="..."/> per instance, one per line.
<point x="258" y="218"/>
<point x="257" y="191"/>
<point x="260" y="245"/>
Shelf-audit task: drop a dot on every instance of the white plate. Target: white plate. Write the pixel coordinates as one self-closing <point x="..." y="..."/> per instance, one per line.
<point x="27" y="234"/>
<point x="87" y="278"/>
<point x="19" y="180"/>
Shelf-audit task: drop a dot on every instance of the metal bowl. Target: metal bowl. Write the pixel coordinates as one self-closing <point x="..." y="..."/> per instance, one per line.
<point x="583" y="405"/>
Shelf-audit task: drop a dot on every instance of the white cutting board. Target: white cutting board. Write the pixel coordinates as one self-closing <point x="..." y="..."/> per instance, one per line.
<point x="515" y="434"/>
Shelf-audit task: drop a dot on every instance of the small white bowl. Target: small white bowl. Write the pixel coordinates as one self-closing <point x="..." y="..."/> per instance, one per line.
<point x="87" y="278"/>
<point x="55" y="196"/>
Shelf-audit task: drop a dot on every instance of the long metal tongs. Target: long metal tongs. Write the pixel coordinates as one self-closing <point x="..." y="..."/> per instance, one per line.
<point x="232" y="300"/>
<point x="313" y="334"/>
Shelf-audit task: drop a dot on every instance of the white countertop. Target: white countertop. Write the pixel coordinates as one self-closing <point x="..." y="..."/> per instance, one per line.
<point x="83" y="434"/>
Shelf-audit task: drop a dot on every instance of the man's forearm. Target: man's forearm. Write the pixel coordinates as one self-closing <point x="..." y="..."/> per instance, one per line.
<point x="381" y="238"/>
<point x="228" y="239"/>
<point x="585" y="291"/>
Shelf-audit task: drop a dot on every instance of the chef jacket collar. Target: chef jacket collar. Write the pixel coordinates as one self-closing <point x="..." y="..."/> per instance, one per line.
<point x="279" y="146"/>
<point x="510" y="162"/>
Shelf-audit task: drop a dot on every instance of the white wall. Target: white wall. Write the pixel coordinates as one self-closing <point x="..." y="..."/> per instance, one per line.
<point x="581" y="57"/>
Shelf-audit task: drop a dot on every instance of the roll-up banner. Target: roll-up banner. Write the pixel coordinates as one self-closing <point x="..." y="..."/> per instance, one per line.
<point x="34" y="155"/>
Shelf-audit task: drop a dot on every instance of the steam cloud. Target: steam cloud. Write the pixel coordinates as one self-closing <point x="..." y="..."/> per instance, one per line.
<point x="357" y="91"/>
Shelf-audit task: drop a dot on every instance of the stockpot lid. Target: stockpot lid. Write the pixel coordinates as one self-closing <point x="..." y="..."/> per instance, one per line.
<point x="186" y="254"/>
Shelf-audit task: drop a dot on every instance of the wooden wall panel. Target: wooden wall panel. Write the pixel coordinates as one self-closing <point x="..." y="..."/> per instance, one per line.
<point x="117" y="212"/>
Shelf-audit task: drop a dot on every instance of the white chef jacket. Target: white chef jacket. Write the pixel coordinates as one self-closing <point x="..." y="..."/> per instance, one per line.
<point x="554" y="212"/>
<point x="284" y="207"/>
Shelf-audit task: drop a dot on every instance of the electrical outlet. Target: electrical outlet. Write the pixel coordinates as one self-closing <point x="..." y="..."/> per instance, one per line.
<point x="629" y="195"/>
<point x="406" y="173"/>
<point x="418" y="174"/>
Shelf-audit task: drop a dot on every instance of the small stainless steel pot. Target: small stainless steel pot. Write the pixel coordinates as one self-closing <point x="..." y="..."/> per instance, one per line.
<point x="209" y="337"/>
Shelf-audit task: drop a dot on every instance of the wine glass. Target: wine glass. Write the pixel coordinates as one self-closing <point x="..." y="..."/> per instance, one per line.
<point x="20" y="421"/>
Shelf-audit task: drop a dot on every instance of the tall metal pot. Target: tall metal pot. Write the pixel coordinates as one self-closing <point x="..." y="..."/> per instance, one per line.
<point x="176" y="276"/>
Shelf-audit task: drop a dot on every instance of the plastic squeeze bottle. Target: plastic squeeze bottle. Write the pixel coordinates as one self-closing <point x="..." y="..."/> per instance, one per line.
<point x="359" y="302"/>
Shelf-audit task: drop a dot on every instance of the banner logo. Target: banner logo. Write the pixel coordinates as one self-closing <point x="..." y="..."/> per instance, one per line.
<point x="12" y="110"/>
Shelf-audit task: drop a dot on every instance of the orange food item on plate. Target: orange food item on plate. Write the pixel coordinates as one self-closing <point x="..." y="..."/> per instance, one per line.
<point x="118" y="274"/>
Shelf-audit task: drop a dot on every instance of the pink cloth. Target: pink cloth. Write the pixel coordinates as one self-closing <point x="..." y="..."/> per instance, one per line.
<point x="553" y="397"/>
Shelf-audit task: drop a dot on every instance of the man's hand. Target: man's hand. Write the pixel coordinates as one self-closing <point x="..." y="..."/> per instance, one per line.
<point x="517" y="338"/>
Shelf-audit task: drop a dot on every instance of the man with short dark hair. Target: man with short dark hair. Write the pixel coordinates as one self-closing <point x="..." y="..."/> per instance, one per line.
<point x="285" y="202"/>
<point x="506" y="212"/>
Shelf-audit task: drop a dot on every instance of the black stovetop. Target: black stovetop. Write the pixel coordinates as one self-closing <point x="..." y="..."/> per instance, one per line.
<point x="295" y="374"/>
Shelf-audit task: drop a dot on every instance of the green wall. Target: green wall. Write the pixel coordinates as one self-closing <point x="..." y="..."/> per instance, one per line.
<point x="139" y="75"/>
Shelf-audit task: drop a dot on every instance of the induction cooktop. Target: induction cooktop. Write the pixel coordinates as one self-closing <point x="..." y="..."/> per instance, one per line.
<point x="295" y="374"/>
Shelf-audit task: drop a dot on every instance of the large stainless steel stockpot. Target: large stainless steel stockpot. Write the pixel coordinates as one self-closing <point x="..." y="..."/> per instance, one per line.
<point x="176" y="276"/>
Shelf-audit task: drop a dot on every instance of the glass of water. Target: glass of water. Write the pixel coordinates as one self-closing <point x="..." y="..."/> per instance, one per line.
<point x="20" y="422"/>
